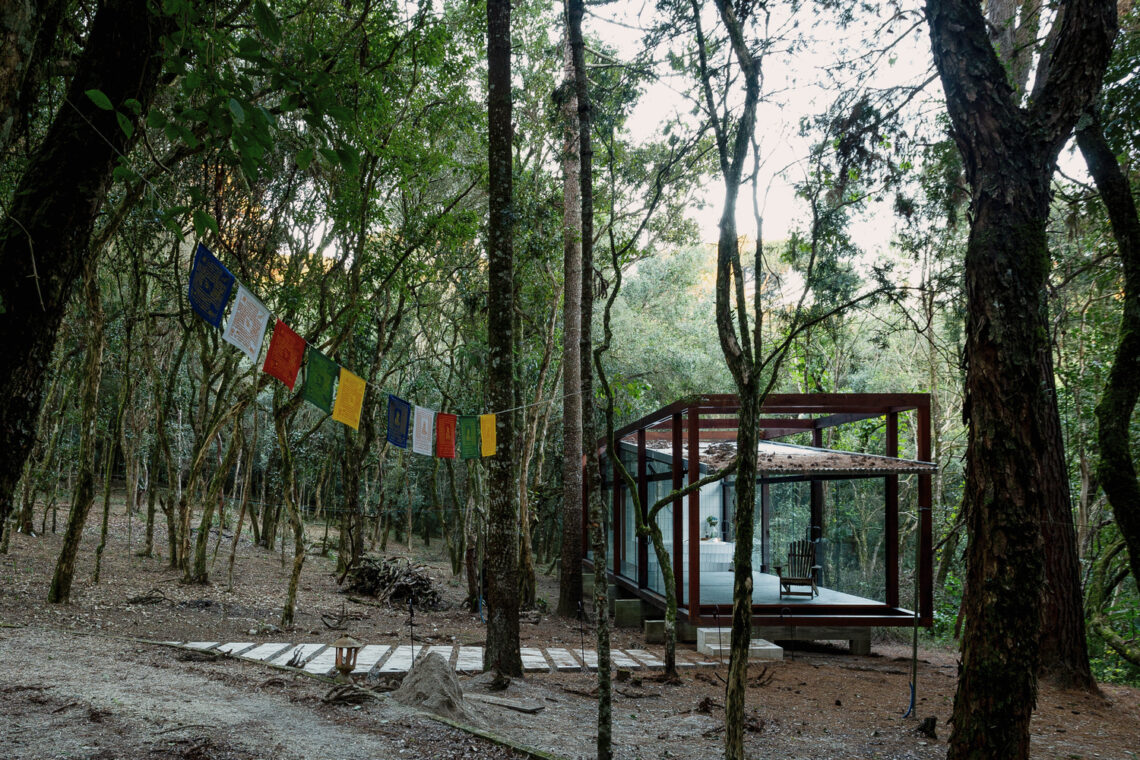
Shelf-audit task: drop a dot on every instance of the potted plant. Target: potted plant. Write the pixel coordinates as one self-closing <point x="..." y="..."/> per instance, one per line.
<point x="710" y="527"/>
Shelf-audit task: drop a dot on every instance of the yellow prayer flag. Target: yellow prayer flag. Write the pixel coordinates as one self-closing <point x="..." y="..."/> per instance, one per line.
<point x="349" y="399"/>
<point x="487" y="433"/>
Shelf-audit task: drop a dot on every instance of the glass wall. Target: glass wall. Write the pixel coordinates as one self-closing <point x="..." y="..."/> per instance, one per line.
<point x="851" y="551"/>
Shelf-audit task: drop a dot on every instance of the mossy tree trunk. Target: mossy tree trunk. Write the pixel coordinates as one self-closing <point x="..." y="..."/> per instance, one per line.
<point x="1015" y="475"/>
<point x="1117" y="469"/>
<point x="570" y="576"/>
<point x="502" y="651"/>
<point x="84" y="494"/>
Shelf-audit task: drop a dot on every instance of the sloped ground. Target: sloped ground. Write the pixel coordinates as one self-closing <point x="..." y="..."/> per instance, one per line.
<point x="76" y="681"/>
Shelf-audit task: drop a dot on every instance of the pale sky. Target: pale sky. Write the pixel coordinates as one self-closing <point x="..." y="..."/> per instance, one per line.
<point x="792" y="86"/>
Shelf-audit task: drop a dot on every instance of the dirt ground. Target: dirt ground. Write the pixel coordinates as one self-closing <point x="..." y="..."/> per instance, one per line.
<point x="82" y="681"/>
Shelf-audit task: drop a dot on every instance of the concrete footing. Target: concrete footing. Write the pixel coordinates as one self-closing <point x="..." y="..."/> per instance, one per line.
<point x="627" y="613"/>
<point x="715" y="642"/>
<point x="858" y="638"/>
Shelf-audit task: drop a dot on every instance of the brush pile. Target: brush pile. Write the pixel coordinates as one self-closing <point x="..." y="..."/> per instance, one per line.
<point x="395" y="581"/>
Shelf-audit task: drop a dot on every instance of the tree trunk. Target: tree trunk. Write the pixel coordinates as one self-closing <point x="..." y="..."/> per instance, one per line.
<point x="282" y="413"/>
<point x="246" y="487"/>
<point x="741" y="353"/>
<point x="1116" y="469"/>
<point x="1015" y="475"/>
<point x="84" y="495"/>
<point x="570" y="578"/>
<point x="502" y="652"/>
<point x="126" y="385"/>
<point x="592" y="481"/>
<point x="35" y="471"/>
<point x="28" y="33"/>
<point x="472" y="522"/>
<point x="47" y="227"/>
<point x="198" y="572"/>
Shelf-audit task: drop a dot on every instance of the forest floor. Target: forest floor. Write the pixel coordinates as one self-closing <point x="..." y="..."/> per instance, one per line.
<point x="82" y="680"/>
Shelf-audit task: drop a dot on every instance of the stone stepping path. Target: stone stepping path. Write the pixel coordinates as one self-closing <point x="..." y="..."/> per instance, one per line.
<point x="402" y="659"/>
<point x="368" y="656"/>
<point x="563" y="660"/>
<point x="266" y="652"/>
<point x="201" y="644"/>
<point x="320" y="659"/>
<point x="647" y="659"/>
<point x="533" y="661"/>
<point x="470" y="660"/>
<point x="301" y="653"/>
<point x="323" y="663"/>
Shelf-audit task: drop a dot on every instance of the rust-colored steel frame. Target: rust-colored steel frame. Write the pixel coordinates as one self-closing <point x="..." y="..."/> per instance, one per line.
<point x="684" y="422"/>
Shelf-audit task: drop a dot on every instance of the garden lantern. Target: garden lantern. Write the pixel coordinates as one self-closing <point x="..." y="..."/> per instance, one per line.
<point x="346" y="650"/>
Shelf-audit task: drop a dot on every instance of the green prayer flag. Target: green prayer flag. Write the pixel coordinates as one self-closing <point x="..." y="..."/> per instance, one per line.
<point x="469" y="437"/>
<point x="320" y="372"/>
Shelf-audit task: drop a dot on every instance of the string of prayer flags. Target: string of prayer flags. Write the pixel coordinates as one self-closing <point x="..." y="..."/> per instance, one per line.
<point x="399" y="414"/>
<point x="469" y="437"/>
<point x="349" y="399"/>
<point x="320" y="373"/>
<point x="210" y="286"/>
<point x="422" y="434"/>
<point x="487" y="433"/>
<point x="439" y="434"/>
<point x="286" y="349"/>
<point x="246" y="329"/>
<point x="445" y="435"/>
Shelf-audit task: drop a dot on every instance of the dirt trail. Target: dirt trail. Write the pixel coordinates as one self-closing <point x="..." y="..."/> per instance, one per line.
<point x="76" y="683"/>
<point x="95" y="697"/>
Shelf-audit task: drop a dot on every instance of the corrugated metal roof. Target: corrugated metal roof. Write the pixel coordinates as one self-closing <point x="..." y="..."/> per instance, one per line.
<point x="776" y="458"/>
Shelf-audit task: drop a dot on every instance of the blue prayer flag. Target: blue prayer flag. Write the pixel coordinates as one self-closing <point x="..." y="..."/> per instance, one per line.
<point x="210" y="286"/>
<point x="399" y="415"/>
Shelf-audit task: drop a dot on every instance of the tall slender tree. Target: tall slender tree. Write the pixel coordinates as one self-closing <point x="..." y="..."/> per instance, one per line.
<point x="1015" y="476"/>
<point x="570" y="578"/>
<point x="502" y="652"/>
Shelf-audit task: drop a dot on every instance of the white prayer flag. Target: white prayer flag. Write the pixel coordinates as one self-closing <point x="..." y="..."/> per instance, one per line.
<point x="246" y="329"/>
<point x="422" y="437"/>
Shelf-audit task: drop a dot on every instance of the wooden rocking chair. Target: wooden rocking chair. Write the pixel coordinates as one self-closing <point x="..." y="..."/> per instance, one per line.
<point x="802" y="570"/>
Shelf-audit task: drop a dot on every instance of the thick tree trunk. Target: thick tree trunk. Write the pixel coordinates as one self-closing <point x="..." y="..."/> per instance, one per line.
<point x="46" y="228"/>
<point x="570" y="577"/>
<point x="1015" y="475"/>
<point x="84" y="494"/>
<point x="502" y="652"/>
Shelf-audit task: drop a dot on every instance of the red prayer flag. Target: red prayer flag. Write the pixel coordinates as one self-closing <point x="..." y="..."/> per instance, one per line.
<point x="286" y="349"/>
<point x="445" y="435"/>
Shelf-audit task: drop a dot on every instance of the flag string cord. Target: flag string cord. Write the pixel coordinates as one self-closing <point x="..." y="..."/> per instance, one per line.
<point x="163" y="204"/>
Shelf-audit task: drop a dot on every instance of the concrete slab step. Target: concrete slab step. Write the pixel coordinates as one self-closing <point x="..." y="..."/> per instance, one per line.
<point x="563" y="660"/>
<point x="302" y="652"/>
<point x="368" y="656"/>
<point x="470" y="660"/>
<point x="533" y="660"/>
<point x="266" y="652"/>
<point x="322" y="664"/>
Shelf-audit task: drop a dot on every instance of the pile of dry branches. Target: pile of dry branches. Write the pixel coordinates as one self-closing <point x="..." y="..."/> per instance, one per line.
<point x="394" y="580"/>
